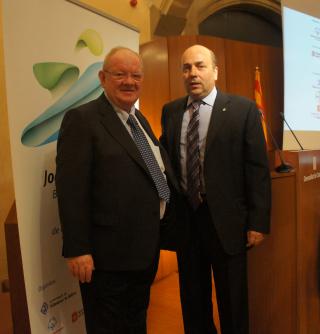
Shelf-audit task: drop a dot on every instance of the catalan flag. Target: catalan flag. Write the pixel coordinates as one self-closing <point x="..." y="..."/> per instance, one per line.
<point x="259" y="101"/>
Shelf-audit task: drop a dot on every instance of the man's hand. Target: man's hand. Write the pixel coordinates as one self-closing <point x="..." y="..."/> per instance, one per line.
<point x="254" y="238"/>
<point x="81" y="267"/>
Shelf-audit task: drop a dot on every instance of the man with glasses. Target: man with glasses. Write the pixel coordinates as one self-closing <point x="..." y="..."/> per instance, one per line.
<point x="112" y="183"/>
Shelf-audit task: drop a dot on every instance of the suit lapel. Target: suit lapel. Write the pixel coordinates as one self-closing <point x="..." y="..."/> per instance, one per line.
<point x="168" y="168"/>
<point x="218" y="117"/>
<point x="164" y="156"/>
<point x="116" y="129"/>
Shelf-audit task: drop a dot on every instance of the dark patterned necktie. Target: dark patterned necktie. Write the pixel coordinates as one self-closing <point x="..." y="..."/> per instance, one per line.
<point x="193" y="157"/>
<point x="149" y="159"/>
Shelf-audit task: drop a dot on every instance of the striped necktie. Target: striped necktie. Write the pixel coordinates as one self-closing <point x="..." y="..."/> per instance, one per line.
<point x="149" y="159"/>
<point x="193" y="156"/>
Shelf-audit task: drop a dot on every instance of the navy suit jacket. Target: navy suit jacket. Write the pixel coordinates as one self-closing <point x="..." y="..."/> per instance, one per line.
<point x="236" y="170"/>
<point x="108" y="203"/>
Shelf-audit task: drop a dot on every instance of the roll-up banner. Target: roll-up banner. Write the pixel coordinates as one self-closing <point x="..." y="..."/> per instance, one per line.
<point x="53" y="51"/>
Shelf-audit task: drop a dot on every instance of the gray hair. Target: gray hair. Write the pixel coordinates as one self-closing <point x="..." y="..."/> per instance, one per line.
<point x="113" y="51"/>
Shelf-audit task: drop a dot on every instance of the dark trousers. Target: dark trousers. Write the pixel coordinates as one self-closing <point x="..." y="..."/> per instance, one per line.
<point x="116" y="302"/>
<point x="203" y="256"/>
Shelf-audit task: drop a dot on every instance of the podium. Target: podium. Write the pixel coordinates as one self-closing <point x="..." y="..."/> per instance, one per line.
<point x="284" y="279"/>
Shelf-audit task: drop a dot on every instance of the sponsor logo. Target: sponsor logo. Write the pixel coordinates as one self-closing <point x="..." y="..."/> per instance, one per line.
<point x="44" y="308"/>
<point x="76" y="315"/>
<point x="54" y="326"/>
<point x="52" y="323"/>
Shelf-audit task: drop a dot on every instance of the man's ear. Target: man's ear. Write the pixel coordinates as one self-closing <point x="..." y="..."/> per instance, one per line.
<point x="102" y="77"/>
<point x="215" y="71"/>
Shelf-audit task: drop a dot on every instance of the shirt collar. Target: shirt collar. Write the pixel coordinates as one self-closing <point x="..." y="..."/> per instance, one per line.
<point x="209" y="99"/>
<point x="124" y="115"/>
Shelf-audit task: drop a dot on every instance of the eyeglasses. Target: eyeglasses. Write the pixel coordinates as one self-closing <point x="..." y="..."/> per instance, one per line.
<point x="122" y="75"/>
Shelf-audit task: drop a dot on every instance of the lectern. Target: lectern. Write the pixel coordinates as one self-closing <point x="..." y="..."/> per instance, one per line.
<point x="284" y="280"/>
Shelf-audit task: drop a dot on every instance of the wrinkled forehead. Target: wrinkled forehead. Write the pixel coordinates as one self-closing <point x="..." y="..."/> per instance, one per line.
<point x="195" y="56"/>
<point x="124" y="58"/>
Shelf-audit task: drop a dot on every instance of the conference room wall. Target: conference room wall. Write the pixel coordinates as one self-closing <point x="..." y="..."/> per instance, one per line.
<point x="241" y="60"/>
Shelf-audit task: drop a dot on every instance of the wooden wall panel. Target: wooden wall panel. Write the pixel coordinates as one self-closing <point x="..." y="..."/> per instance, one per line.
<point x="5" y="311"/>
<point x="217" y="46"/>
<point x="155" y="93"/>
<point x="176" y="47"/>
<point x="155" y="90"/>
<point x="241" y="61"/>
<point x="6" y="178"/>
<point x="273" y="87"/>
<point x="20" y="314"/>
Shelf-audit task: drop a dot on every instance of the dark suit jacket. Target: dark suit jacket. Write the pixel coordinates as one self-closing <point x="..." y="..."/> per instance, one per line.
<point x="236" y="171"/>
<point x="108" y="203"/>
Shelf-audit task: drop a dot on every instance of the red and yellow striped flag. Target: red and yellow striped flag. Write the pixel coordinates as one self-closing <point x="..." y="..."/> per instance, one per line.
<point x="259" y="101"/>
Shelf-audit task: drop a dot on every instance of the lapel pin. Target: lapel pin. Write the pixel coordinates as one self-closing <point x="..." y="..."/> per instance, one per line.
<point x="224" y="109"/>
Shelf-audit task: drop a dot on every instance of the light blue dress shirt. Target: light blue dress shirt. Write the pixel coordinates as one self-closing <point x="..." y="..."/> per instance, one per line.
<point x="205" y="112"/>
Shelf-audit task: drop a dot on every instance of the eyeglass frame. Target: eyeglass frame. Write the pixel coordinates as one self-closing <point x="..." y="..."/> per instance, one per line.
<point x="137" y="77"/>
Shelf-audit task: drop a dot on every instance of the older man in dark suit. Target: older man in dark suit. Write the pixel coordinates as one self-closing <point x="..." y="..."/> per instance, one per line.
<point x="216" y="145"/>
<point x="112" y="183"/>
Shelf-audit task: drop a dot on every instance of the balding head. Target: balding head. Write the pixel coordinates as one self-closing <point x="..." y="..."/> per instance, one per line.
<point x="122" y="50"/>
<point x="199" y="71"/>
<point x="204" y="50"/>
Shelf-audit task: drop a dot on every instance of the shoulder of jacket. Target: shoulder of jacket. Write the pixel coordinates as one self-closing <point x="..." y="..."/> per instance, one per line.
<point x="175" y="103"/>
<point x="88" y="107"/>
<point x="239" y="99"/>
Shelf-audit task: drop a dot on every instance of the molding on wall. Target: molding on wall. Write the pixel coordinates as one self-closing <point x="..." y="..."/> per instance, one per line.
<point x="215" y="6"/>
<point x="189" y="13"/>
